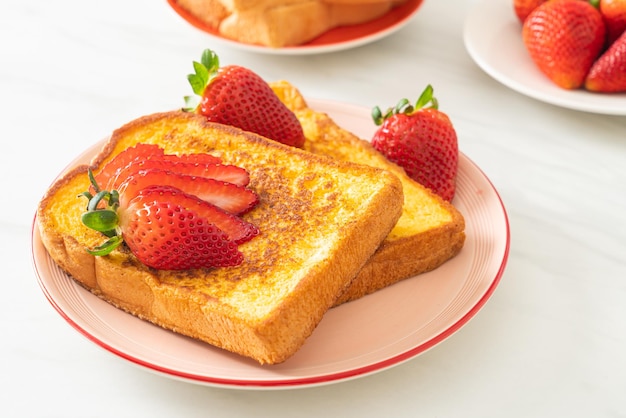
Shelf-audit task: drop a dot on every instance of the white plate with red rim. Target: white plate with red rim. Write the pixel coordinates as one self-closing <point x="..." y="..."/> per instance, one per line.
<point x="493" y="38"/>
<point x="356" y="339"/>
<point x="336" y="39"/>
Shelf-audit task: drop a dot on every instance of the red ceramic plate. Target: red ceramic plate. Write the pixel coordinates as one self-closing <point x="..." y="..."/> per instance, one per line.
<point x="356" y="339"/>
<point x="334" y="40"/>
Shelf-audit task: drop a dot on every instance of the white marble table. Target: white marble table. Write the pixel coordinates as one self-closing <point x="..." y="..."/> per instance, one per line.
<point x="549" y="343"/>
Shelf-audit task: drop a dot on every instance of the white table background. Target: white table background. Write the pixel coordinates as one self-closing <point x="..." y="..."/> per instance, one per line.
<point x="551" y="340"/>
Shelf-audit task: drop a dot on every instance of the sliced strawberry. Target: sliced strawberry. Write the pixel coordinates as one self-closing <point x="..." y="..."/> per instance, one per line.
<point x="200" y="158"/>
<point x="236" y="228"/>
<point x="139" y="152"/>
<point x="228" y="196"/>
<point x="167" y="235"/>
<point x="222" y="172"/>
<point x="173" y="220"/>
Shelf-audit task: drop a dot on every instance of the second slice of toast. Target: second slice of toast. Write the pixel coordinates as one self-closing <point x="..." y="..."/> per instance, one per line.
<point x="430" y="231"/>
<point x="319" y="219"/>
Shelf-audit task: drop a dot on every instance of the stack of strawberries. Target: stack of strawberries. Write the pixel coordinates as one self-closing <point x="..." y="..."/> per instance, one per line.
<point x="577" y="43"/>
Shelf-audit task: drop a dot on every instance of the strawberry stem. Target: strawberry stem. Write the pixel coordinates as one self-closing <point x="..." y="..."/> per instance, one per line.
<point x="107" y="247"/>
<point x="92" y="180"/>
<point x="426" y="97"/>
<point x="204" y="72"/>
<point x="100" y="219"/>
<point x="404" y="106"/>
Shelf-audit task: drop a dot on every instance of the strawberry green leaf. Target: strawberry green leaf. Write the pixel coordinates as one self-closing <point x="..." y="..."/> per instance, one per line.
<point x="404" y="106"/>
<point x="204" y="71"/>
<point x="191" y="103"/>
<point x="106" y="247"/>
<point x="425" y="97"/>
<point x="92" y="180"/>
<point x="95" y="200"/>
<point x="86" y="194"/>
<point x="103" y="220"/>
<point x="377" y="115"/>
<point x="100" y="219"/>
<point x="198" y="80"/>
<point x="210" y="60"/>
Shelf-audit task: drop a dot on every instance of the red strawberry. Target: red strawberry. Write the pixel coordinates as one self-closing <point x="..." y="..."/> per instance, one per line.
<point x="210" y="247"/>
<point x="221" y="172"/>
<point x="236" y="96"/>
<point x="142" y="153"/>
<point x="228" y="196"/>
<point x="421" y="140"/>
<point x="237" y="230"/>
<point x="564" y="38"/>
<point x="139" y="152"/>
<point x="523" y="8"/>
<point x="191" y="158"/>
<point x="608" y="73"/>
<point x="614" y="13"/>
<point x="193" y="242"/>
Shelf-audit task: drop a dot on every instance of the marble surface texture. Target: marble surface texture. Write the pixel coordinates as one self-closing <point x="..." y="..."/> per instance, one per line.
<point x="549" y="343"/>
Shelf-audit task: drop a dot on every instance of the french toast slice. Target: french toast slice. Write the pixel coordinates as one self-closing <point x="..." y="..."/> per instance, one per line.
<point x="319" y="219"/>
<point x="430" y="230"/>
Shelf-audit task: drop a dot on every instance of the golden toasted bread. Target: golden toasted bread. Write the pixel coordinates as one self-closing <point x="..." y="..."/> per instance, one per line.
<point x="430" y="230"/>
<point x="319" y="219"/>
<point x="280" y="23"/>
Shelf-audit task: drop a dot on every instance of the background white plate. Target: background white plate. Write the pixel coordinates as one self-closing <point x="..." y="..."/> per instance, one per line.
<point x="337" y="39"/>
<point x="493" y="38"/>
<point x="353" y="340"/>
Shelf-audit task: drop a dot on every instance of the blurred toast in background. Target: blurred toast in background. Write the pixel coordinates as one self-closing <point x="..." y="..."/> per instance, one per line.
<point x="280" y="23"/>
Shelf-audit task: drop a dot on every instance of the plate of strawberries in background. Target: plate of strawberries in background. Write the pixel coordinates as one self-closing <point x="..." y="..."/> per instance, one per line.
<point x="516" y="54"/>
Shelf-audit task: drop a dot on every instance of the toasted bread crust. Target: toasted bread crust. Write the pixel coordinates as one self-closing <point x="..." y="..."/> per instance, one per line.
<point x="320" y="220"/>
<point x="430" y="231"/>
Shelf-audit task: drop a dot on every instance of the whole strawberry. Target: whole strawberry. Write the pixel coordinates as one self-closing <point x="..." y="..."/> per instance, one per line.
<point x="608" y="73"/>
<point x="236" y="96"/>
<point x="523" y="8"/>
<point x="614" y="13"/>
<point x="564" y="38"/>
<point x="422" y="140"/>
